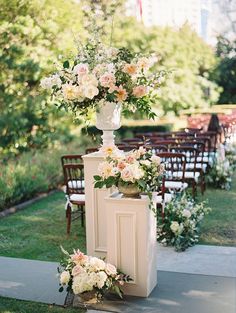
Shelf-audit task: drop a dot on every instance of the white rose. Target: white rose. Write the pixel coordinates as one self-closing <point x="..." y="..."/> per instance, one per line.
<point x="127" y="174"/>
<point x="156" y="159"/>
<point x="49" y="82"/>
<point x="89" y="79"/>
<point x="137" y="171"/>
<point x="145" y="162"/>
<point x="97" y="264"/>
<point x="101" y="279"/>
<point x="106" y="169"/>
<point x="90" y="91"/>
<point x="81" y="69"/>
<point x="69" y="91"/>
<point x="65" y="277"/>
<point x="175" y="227"/>
<point x="186" y="213"/>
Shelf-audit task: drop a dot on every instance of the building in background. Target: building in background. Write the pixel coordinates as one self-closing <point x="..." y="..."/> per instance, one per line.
<point x="175" y="13"/>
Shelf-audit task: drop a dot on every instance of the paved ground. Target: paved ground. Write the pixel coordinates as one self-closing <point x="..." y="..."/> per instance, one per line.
<point x="202" y="279"/>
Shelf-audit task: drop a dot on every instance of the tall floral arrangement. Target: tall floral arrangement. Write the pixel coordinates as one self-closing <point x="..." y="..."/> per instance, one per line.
<point x="100" y="74"/>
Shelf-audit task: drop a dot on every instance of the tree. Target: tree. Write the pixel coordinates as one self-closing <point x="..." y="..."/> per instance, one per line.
<point x="225" y="73"/>
<point x="183" y="53"/>
<point x="32" y="33"/>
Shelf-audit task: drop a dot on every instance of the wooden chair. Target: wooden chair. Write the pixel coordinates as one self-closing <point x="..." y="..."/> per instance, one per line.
<point x="156" y="148"/>
<point x="91" y="150"/>
<point x="71" y="159"/>
<point x="74" y="182"/>
<point x="175" y="165"/>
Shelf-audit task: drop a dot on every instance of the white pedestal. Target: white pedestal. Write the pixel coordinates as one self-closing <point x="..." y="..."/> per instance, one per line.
<point x="96" y="235"/>
<point x="131" y="243"/>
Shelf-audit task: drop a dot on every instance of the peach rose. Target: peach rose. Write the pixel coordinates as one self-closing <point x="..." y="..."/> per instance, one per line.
<point x="110" y="269"/>
<point x="130" y="69"/>
<point x="79" y="257"/>
<point x="139" y="91"/>
<point x="121" y="94"/>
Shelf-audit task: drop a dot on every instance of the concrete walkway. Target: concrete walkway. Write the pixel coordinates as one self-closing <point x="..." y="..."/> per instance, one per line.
<point x="38" y="281"/>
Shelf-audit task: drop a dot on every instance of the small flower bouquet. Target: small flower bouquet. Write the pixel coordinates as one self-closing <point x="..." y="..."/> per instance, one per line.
<point x="220" y="175"/>
<point x="230" y="153"/>
<point x="137" y="168"/>
<point x="180" y="226"/>
<point x="99" y="75"/>
<point x="85" y="275"/>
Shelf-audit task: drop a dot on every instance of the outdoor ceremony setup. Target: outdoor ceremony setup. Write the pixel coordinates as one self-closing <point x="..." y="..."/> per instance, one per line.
<point x="117" y="157"/>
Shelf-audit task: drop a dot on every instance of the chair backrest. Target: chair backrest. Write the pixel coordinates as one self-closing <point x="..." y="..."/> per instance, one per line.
<point x="175" y="165"/>
<point x="91" y="150"/>
<point x="158" y="148"/>
<point x="74" y="178"/>
<point x="190" y="152"/>
<point x="71" y="159"/>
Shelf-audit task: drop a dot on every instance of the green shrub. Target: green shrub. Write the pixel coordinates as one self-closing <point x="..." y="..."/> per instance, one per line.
<point x="34" y="172"/>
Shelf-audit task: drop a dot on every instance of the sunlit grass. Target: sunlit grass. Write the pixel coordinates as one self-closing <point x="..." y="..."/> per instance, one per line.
<point x="38" y="231"/>
<point x="8" y="305"/>
<point x="219" y="227"/>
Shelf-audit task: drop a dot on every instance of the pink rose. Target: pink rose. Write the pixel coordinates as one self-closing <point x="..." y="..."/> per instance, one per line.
<point x="139" y="91"/>
<point x="130" y="159"/>
<point x="110" y="269"/>
<point x="107" y="80"/>
<point x="81" y="69"/>
<point x="77" y="270"/>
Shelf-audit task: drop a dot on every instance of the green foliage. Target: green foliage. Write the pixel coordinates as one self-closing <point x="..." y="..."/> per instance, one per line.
<point x="225" y="73"/>
<point x="180" y="226"/>
<point x="182" y="52"/>
<point x="32" y="173"/>
<point x="29" y="37"/>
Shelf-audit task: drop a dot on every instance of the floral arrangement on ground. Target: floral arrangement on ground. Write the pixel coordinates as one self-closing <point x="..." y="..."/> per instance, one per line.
<point x="220" y="174"/>
<point x="100" y="74"/>
<point x="138" y="168"/>
<point x="180" y="225"/>
<point x="86" y="275"/>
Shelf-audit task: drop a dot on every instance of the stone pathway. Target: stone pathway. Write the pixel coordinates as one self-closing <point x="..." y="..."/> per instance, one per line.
<point x="203" y="278"/>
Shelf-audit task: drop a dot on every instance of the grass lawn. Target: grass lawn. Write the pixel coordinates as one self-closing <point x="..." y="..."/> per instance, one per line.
<point x="8" y="305"/>
<point x="38" y="231"/>
<point x="219" y="227"/>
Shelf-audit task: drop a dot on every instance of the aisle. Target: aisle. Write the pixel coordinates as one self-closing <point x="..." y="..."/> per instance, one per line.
<point x="203" y="278"/>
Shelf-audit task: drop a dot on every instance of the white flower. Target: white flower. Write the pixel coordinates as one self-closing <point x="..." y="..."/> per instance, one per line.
<point x="110" y="269"/>
<point x="96" y="264"/>
<point x="89" y="80"/>
<point x="90" y="91"/>
<point x="186" y="213"/>
<point x="145" y="162"/>
<point x="65" y="277"/>
<point x="176" y="228"/>
<point x="49" y="82"/>
<point x="105" y="169"/>
<point x="82" y="283"/>
<point x="69" y="91"/>
<point x="81" y="69"/>
<point x="156" y="159"/>
<point x="127" y="174"/>
<point x="101" y="279"/>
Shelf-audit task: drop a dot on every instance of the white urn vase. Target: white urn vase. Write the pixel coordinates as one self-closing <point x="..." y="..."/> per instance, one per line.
<point x="108" y="119"/>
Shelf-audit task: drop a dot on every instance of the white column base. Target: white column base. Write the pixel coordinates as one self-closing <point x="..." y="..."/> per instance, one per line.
<point x="131" y="242"/>
<point x="96" y="234"/>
